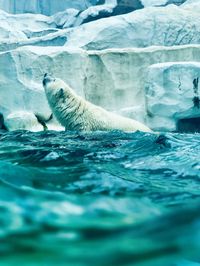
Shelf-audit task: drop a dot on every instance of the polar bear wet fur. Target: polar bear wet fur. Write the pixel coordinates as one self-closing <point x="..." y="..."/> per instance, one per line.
<point x="75" y="113"/>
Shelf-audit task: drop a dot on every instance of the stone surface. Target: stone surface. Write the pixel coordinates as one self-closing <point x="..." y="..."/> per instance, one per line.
<point x="173" y="95"/>
<point x="114" y="79"/>
<point x="19" y="28"/>
<point x="22" y="121"/>
<point x="50" y="7"/>
<point x="17" y="90"/>
<point x="170" y="25"/>
<point x="65" y="19"/>
<point x="188" y="2"/>
<point x="166" y="26"/>
<point x="46" y="7"/>
<point x="73" y="17"/>
<point x="147" y="3"/>
<point x="78" y="18"/>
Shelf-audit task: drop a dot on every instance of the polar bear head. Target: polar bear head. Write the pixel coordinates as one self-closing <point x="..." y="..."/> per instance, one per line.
<point x="56" y="87"/>
<point x="52" y="84"/>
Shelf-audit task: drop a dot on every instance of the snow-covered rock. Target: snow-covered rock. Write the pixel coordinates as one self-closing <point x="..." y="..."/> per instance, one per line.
<point x="66" y="18"/>
<point x="49" y="7"/>
<point x="114" y="79"/>
<point x="173" y="95"/>
<point x="148" y="3"/>
<point x="170" y="25"/>
<point x="188" y="2"/>
<point x="110" y="8"/>
<point x="46" y="7"/>
<point x="73" y="17"/>
<point x="114" y="7"/>
<point x="17" y="28"/>
<point x="22" y="121"/>
<point x="18" y="91"/>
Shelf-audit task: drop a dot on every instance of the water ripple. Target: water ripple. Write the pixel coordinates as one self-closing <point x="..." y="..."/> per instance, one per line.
<point x="134" y="197"/>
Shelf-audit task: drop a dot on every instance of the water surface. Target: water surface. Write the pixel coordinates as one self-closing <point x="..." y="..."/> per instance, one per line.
<point x="99" y="199"/>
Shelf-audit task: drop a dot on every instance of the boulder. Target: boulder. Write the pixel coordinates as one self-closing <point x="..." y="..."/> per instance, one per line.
<point x="22" y="121"/>
<point x="173" y="96"/>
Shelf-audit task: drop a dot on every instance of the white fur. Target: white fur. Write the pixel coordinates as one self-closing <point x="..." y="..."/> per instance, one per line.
<point x="75" y="113"/>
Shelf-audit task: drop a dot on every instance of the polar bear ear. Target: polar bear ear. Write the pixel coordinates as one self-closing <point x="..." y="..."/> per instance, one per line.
<point x="60" y="93"/>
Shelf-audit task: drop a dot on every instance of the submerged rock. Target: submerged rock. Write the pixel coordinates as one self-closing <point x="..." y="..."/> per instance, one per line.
<point x="173" y="96"/>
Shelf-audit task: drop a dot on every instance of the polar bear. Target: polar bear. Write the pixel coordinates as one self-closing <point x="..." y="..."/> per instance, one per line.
<point x="75" y="113"/>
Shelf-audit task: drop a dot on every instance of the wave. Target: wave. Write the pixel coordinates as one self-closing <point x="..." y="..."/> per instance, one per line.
<point x="99" y="198"/>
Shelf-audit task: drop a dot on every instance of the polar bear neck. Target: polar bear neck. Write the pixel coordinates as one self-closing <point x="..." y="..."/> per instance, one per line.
<point x="67" y="106"/>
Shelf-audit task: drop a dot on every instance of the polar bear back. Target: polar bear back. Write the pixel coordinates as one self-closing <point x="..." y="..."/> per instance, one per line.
<point x="105" y="120"/>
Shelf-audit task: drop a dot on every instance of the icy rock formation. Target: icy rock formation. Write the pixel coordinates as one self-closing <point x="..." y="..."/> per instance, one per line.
<point x="18" y="28"/>
<point x="188" y="2"/>
<point x="73" y="18"/>
<point x="46" y="7"/>
<point x="113" y="79"/>
<point x="18" y="91"/>
<point x="167" y="26"/>
<point x="110" y="8"/>
<point x="50" y="7"/>
<point x="22" y="121"/>
<point x="147" y="3"/>
<point x="173" y="95"/>
<point x="65" y="19"/>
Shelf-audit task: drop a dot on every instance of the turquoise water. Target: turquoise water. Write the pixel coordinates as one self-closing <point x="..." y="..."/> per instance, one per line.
<point x="99" y="199"/>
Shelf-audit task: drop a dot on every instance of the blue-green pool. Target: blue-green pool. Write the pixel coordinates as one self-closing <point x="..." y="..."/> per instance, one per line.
<point x="99" y="199"/>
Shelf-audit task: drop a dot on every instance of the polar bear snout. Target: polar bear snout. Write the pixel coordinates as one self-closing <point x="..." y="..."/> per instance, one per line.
<point x="47" y="78"/>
